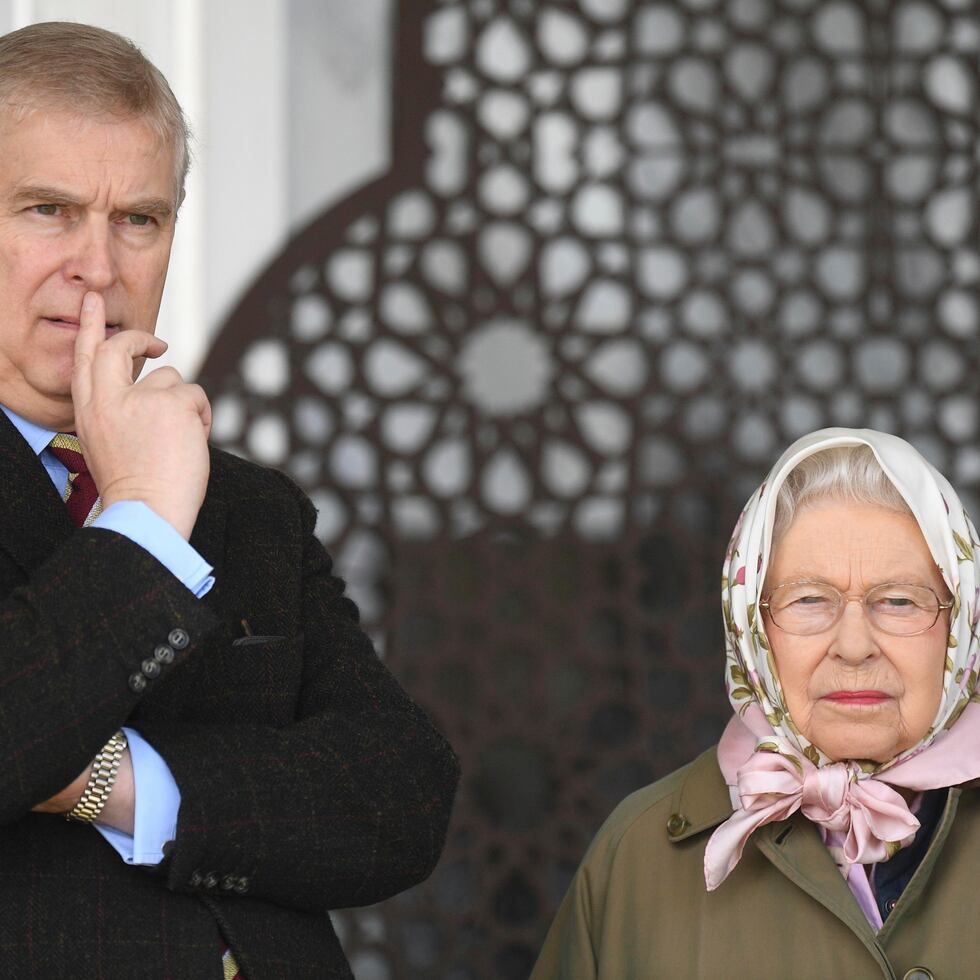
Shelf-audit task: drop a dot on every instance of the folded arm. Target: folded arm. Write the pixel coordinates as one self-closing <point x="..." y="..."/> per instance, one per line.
<point x="346" y="805"/>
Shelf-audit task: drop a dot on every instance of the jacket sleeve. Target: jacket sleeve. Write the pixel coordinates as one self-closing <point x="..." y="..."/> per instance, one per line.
<point x="345" y="806"/>
<point x="74" y="641"/>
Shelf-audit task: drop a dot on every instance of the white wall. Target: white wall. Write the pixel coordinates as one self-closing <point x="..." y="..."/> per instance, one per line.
<point x="339" y="118"/>
<point x="289" y="103"/>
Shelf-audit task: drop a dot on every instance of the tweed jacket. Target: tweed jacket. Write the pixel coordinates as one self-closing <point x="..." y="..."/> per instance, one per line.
<point x="308" y="779"/>
<point x="638" y="909"/>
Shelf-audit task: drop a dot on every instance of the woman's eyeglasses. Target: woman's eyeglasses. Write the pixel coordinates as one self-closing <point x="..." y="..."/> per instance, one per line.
<point x="807" y="608"/>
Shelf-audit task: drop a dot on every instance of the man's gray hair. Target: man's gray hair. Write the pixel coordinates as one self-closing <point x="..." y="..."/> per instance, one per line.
<point x="845" y="473"/>
<point x="91" y="71"/>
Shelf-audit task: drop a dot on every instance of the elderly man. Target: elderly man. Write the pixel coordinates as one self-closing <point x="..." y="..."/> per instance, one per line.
<point x="181" y="675"/>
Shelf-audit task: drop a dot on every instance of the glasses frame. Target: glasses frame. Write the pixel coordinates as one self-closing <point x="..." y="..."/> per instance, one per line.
<point x="852" y="597"/>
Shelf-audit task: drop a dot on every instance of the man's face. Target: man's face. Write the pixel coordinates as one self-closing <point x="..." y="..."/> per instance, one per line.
<point x="85" y="204"/>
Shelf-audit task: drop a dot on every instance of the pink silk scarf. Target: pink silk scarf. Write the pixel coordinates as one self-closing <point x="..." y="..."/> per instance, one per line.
<point x="770" y="768"/>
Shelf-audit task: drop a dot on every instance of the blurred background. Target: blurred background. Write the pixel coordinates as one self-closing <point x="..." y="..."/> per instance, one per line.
<point x="528" y="295"/>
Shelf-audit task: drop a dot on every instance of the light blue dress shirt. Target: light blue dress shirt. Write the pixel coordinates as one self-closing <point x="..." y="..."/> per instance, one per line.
<point x="156" y="792"/>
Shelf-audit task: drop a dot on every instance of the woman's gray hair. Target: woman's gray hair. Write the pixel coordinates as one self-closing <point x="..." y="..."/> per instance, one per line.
<point x="849" y="473"/>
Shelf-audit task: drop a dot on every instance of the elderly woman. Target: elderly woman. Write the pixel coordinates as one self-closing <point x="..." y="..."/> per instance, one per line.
<point x="834" y="830"/>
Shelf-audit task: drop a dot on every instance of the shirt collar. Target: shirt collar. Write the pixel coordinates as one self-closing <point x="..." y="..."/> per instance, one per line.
<point x="36" y="436"/>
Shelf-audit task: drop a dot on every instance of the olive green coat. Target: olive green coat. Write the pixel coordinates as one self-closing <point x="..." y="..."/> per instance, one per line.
<point x="638" y="909"/>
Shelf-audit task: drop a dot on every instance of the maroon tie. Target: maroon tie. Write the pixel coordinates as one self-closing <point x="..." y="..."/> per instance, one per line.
<point x="81" y="494"/>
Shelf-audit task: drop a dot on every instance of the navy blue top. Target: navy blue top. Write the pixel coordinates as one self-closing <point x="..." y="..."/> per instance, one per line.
<point x="890" y="878"/>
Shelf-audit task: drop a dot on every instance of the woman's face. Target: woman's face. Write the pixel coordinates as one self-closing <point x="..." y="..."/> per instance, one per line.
<point x="855" y="547"/>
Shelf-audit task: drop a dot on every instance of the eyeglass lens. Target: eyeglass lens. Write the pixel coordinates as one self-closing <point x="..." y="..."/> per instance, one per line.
<point x="807" y="607"/>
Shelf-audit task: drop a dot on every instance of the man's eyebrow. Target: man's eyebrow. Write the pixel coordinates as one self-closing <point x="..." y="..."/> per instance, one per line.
<point x="158" y="207"/>
<point x="40" y="194"/>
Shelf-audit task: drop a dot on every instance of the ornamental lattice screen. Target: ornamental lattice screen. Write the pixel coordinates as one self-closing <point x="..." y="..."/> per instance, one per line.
<point x="627" y="252"/>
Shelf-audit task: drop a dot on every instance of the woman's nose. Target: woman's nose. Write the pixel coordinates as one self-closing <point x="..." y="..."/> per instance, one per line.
<point x="854" y="639"/>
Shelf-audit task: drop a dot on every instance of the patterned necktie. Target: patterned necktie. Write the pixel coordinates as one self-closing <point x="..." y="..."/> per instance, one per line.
<point x="81" y="495"/>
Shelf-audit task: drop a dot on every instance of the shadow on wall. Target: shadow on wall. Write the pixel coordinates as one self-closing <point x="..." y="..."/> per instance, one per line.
<point x="629" y="250"/>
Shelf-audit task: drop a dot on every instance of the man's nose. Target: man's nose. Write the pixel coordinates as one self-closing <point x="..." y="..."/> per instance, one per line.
<point x="854" y="640"/>
<point x="92" y="262"/>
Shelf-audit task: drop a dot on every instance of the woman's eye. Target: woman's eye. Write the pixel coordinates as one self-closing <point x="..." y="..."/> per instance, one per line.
<point x="811" y="600"/>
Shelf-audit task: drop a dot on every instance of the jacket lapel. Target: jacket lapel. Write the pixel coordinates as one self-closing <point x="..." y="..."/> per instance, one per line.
<point x="208" y="536"/>
<point x="794" y="847"/>
<point x="34" y="521"/>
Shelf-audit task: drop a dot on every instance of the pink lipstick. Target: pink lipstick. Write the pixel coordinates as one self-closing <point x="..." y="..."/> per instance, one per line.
<point x="857" y="697"/>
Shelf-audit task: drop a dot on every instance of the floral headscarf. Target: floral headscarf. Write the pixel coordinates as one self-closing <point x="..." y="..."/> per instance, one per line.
<point x="771" y="768"/>
<point x="750" y="672"/>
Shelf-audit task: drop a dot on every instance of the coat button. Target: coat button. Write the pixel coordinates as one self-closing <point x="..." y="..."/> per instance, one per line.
<point x="918" y="973"/>
<point x="163" y="654"/>
<point x="677" y="824"/>
<point x="890" y="904"/>
<point x="150" y="668"/>
<point x="242" y="885"/>
<point x="196" y="879"/>
<point x="137" y="683"/>
<point x="178" y="639"/>
<point x="210" y="880"/>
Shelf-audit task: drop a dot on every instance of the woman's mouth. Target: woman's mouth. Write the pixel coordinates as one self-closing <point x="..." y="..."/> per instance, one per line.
<point x="857" y="697"/>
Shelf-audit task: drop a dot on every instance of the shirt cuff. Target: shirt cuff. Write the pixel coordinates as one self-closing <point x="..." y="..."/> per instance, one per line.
<point x="156" y="808"/>
<point x="143" y="526"/>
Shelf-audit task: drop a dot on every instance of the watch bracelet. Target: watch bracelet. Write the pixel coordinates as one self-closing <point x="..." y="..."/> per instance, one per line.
<point x="105" y="768"/>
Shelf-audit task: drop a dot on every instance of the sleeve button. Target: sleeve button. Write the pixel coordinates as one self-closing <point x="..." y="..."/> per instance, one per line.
<point x="210" y="880"/>
<point x="228" y="883"/>
<point x="178" y="639"/>
<point x="137" y="683"/>
<point x="163" y="654"/>
<point x="196" y="879"/>
<point x="242" y="885"/>
<point x="150" y="668"/>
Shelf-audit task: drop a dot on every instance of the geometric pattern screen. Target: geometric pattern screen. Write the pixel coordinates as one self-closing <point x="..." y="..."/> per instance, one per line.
<point x="627" y="252"/>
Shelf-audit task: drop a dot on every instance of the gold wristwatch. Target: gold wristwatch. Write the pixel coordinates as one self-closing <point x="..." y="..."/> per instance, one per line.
<point x="105" y="768"/>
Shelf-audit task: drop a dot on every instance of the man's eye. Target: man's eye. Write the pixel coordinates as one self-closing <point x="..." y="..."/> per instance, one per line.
<point x="140" y="220"/>
<point x="46" y="209"/>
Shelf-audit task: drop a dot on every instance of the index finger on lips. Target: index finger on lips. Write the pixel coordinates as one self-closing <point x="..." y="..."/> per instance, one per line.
<point x="91" y="333"/>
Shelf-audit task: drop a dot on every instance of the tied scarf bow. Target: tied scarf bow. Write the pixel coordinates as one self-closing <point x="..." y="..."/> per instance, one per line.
<point x="866" y="820"/>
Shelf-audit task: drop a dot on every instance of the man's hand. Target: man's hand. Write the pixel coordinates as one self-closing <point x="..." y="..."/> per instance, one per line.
<point x="143" y="440"/>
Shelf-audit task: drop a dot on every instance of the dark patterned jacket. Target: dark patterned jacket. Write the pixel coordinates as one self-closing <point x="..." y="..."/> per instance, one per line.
<point x="308" y="779"/>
